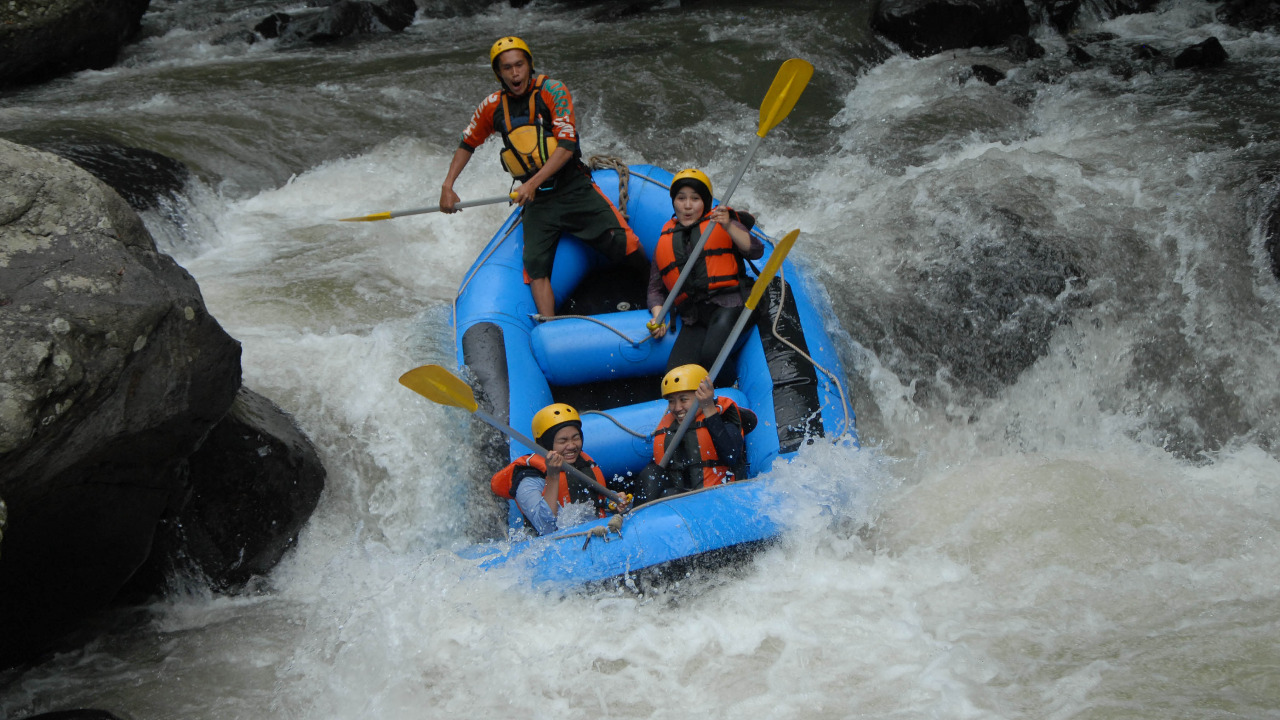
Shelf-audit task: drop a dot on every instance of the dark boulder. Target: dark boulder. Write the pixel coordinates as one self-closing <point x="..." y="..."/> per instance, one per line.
<point x="41" y="40"/>
<point x="252" y="486"/>
<point x="111" y="373"/>
<point x="1079" y="57"/>
<point x="1251" y="14"/>
<point x="337" y="20"/>
<point x="987" y="74"/>
<point x="1209" y="53"/>
<point x="144" y="178"/>
<point x="1063" y="15"/>
<point x="1023" y="47"/>
<point x="926" y="27"/>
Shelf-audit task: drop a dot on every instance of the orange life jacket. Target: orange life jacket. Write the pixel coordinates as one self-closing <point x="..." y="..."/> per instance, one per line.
<point x="718" y="269"/>
<point x="714" y="470"/>
<point x="501" y="484"/>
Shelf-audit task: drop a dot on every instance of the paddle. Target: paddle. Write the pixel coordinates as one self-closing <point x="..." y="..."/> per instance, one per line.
<point x="787" y="85"/>
<point x="439" y="385"/>
<point x="757" y="291"/>
<point x="434" y="208"/>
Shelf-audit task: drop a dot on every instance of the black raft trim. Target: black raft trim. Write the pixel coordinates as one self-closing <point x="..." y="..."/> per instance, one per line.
<point x="484" y="351"/>
<point x="796" y="405"/>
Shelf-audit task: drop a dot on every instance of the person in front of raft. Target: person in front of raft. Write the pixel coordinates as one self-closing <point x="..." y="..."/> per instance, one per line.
<point x="557" y="428"/>
<point x="712" y="295"/>
<point x="713" y="450"/>
<point x="534" y="116"/>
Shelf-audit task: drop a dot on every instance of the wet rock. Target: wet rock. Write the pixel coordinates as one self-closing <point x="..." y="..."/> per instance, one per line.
<point x="111" y="373"/>
<point x="1061" y="14"/>
<point x="987" y="74"/>
<point x="1251" y="14"/>
<point x="270" y="26"/>
<point x="1064" y="15"/>
<point x="1078" y="56"/>
<point x="142" y="177"/>
<point x="337" y="20"/>
<point x="252" y="486"/>
<point x="926" y="27"/>
<point x="1023" y="47"/>
<point x="41" y="40"/>
<point x="1145" y="52"/>
<point x="1209" y="53"/>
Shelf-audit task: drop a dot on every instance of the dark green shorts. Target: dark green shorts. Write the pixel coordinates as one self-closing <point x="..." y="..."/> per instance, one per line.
<point x="575" y="206"/>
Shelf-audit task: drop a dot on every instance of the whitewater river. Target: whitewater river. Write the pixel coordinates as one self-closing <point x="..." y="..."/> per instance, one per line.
<point x="1058" y="326"/>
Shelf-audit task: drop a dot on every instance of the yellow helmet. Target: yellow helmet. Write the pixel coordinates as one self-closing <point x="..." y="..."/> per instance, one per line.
<point x="510" y="42"/>
<point x="691" y="174"/>
<point x="696" y="179"/>
<point x="552" y="415"/>
<point x="685" y="377"/>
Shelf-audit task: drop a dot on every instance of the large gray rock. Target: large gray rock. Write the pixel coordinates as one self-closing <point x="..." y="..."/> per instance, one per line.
<point x="253" y="484"/>
<point x="111" y="374"/>
<point x="42" y="39"/>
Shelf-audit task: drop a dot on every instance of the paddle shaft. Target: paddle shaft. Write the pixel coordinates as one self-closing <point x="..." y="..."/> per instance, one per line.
<point x="697" y="249"/>
<point x="433" y="208"/>
<point x="574" y="472"/>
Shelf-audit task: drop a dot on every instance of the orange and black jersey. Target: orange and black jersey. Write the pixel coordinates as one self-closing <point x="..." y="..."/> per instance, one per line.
<point x="548" y="102"/>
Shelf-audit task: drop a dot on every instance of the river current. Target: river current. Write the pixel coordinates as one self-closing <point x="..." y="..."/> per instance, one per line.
<point x="1058" y="324"/>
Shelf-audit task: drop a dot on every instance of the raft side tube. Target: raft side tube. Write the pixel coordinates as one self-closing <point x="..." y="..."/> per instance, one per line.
<point x="574" y="351"/>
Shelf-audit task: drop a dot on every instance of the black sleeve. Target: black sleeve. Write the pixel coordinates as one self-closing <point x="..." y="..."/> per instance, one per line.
<point x="726" y="437"/>
<point x="520" y="474"/>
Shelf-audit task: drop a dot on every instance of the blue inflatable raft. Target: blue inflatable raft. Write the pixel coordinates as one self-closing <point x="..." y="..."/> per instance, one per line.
<point x="601" y="362"/>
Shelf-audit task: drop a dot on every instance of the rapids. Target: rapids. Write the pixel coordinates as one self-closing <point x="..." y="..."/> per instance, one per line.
<point x="1057" y="321"/>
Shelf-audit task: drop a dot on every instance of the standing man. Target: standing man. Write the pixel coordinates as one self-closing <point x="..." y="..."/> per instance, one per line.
<point x="534" y="116"/>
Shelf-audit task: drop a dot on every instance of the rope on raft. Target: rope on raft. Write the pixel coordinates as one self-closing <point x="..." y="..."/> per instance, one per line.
<point x="615" y="421"/>
<point x="618" y="165"/>
<point x="616" y="331"/>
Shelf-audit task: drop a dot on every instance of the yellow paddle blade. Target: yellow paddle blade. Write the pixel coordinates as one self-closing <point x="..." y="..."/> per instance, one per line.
<point x="368" y="218"/>
<point x="771" y="268"/>
<point x="787" y="85"/>
<point x="439" y="385"/>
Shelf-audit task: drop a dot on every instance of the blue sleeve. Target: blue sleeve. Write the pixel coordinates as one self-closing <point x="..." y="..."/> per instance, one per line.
<point x="533" y="505"/>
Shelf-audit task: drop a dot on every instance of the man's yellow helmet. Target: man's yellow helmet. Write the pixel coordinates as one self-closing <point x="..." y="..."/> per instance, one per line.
<point x="510" y="42"/>
<point x="552" y="415"/>
<point x="685" y="377"/>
